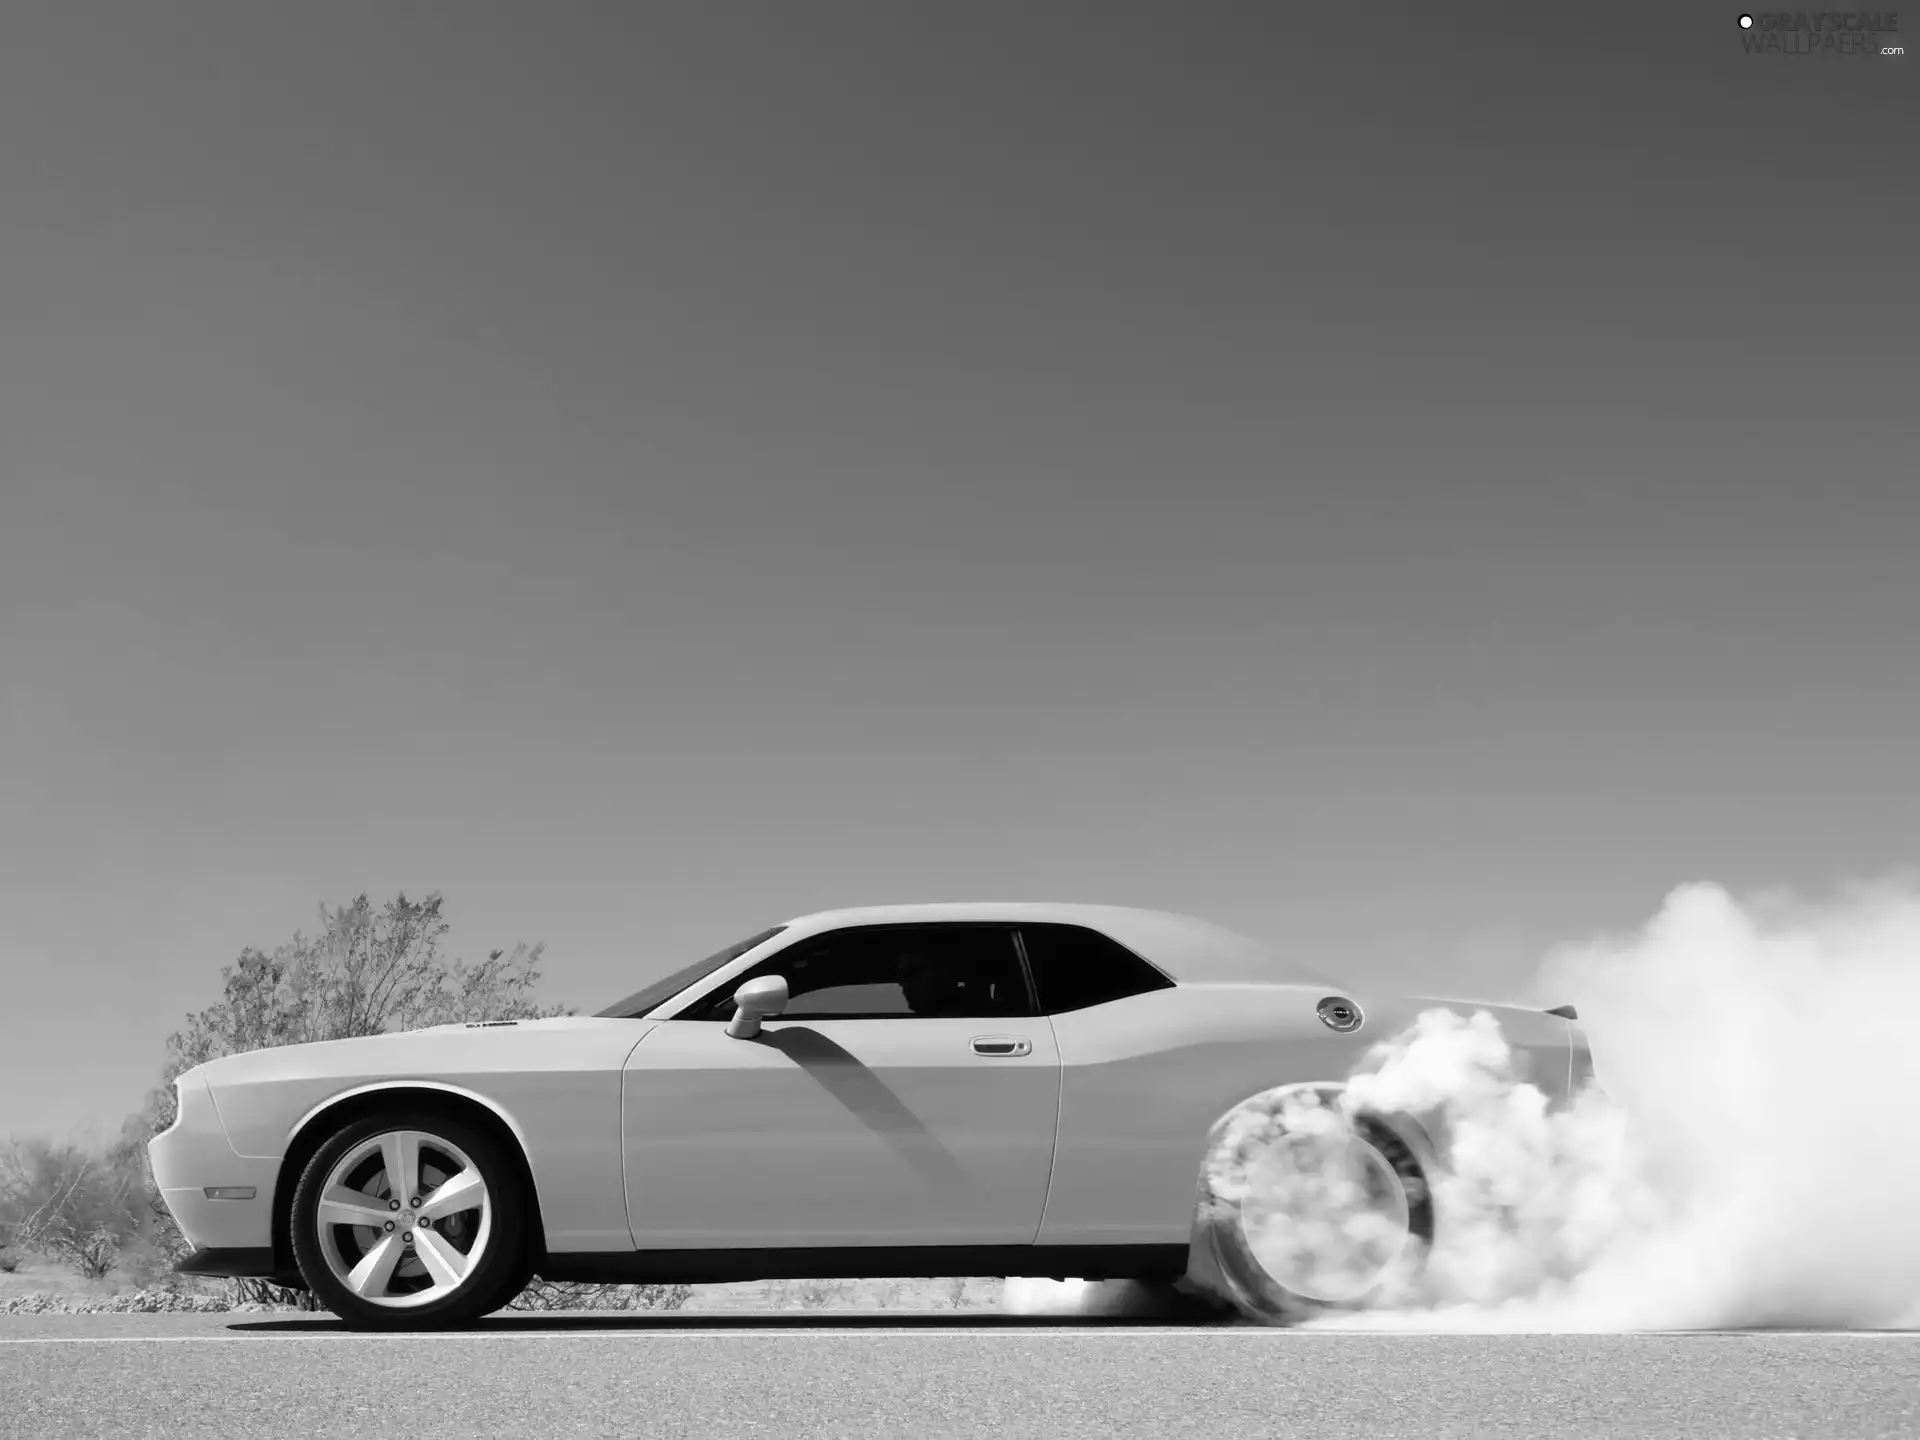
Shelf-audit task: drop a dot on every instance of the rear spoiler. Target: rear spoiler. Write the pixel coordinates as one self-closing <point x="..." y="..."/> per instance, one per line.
<point x="1565" y="1012"/>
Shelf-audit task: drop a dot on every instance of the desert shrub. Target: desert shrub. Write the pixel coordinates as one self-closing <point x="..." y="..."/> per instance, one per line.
<point x="367" y="972"/>
<point x="161" y="1301"/>
<point x="63" y="1202"/>
<point x="91" y="1253"/>
<point x="147" y="1260"/>
<point x="278" y="1297"/>
<point x="139" y="1302"/>
<point x="566" y="1295"/>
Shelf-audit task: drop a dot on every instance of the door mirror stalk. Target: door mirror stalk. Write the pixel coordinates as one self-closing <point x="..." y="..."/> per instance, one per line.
<point x="755" y="1001"/>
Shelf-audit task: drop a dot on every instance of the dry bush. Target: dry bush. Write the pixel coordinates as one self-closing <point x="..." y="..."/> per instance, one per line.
<point x="92" y="1254"/>
<point x="567" y="1295"/>
<point x="140" y="1302"/>
<point x="370" y="970"/>
<point x="60" y="1201"/>
<point x="279" y="1297"/>
<point x="147" y="1259"/>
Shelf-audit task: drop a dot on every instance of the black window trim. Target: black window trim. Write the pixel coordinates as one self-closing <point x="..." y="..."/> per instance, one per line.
<point x="1167" y="982"/>
<point x="1011" y="927"/>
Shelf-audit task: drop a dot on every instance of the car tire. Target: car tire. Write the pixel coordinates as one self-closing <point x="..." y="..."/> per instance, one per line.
<point x="510" y="1289"/>
<point x="380" y="1262"/>
<point x="1267" y="1153"/>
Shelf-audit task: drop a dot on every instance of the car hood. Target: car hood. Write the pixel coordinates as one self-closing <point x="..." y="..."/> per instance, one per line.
<point x="403" y="1051"/>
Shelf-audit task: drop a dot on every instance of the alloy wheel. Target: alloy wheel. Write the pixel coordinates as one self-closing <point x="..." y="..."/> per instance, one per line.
<point x="404" y="1219"/>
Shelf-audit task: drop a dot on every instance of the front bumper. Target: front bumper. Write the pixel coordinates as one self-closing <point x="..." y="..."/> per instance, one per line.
<point x="251" y="1264"/>
<point x="193" y="1156"/>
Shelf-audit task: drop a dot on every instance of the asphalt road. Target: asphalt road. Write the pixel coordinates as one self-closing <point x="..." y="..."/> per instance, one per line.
<point x="265" y="1376"/>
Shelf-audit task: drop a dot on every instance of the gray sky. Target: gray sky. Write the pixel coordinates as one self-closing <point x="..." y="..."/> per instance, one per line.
<point x="1413" y="489"/>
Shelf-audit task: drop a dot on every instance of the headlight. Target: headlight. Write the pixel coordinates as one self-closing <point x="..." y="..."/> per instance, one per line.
<point x="193" y="1105"/>
<point x="179" y="1107"/>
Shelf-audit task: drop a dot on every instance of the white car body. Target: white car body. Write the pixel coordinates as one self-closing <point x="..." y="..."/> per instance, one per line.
<point x="662" y="1148"/>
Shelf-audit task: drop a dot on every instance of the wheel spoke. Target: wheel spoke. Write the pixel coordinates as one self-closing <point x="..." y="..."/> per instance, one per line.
<point x="464" y="1191"/>
<point x="341" y="1206"/>
<point x="429" y="1183"/>
<point x="369" y="1278"/>
<point x="446" y="1265"/>
<point x="400" y="1152"/>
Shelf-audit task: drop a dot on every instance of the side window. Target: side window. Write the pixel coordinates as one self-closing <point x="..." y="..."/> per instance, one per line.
<point x="890" y="972"/>
<point x="1074" y="967"/>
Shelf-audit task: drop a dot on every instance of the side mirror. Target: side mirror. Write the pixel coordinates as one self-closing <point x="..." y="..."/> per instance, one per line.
<point x="755" y="1001"/>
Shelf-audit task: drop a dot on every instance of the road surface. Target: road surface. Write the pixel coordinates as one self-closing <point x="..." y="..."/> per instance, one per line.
<point x="273" y="1376"/>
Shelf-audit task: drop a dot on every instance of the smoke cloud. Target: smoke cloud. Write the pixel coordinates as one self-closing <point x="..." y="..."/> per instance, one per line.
<point x="1110" y="1298"/>
<point x="1745" y="1155"/>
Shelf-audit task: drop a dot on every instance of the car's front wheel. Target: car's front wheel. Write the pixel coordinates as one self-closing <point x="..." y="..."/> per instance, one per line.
<point x="409" y="1220"/>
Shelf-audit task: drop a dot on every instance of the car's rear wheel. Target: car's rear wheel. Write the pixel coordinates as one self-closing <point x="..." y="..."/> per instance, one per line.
<point x="409" y="1220"/>
<point x="1305" y="1209"/>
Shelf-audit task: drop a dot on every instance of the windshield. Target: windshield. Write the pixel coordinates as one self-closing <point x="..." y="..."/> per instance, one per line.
<point x="665" y="988"/>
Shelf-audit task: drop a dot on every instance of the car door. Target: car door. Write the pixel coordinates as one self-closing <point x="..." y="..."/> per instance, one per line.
<point x="908" y="1096"/>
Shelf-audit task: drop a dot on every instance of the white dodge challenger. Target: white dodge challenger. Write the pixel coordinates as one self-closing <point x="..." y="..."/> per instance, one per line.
<point x="918" y="1090"/>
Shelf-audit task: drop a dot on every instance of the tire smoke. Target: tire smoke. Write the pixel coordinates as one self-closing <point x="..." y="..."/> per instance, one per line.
<point x="1746" y="1154"/>
<point x="1113" y="1299"/>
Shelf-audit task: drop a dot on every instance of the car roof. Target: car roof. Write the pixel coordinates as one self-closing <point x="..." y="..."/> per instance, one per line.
<point x="1190" y="950"/>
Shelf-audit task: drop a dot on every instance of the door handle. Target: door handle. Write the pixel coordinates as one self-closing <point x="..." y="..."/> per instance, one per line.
<point x="1001" y="1045"/>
